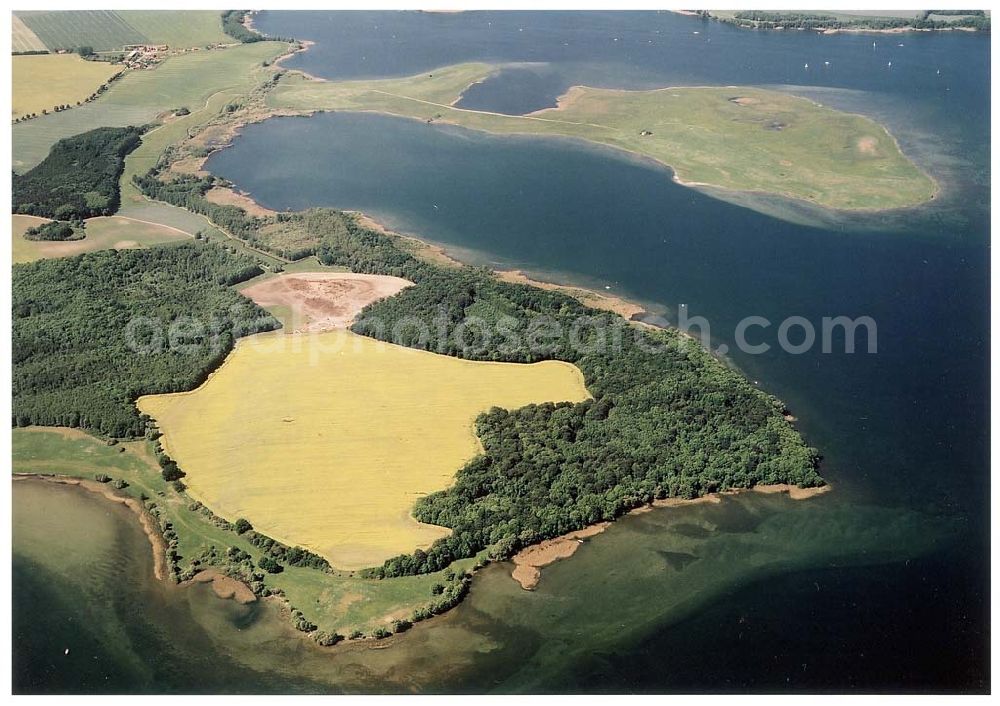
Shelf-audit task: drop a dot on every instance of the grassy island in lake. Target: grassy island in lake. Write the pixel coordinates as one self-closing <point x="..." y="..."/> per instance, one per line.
<point x="741" y="138"/>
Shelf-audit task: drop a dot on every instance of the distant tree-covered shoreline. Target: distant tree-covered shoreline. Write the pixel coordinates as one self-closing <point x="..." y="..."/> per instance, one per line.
<point x="234" y="24"/>
<point x="757" y="19"/>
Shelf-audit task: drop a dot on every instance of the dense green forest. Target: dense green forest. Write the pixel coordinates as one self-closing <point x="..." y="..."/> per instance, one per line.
<point x="667" y="419"/>
<point x="79" y="177"/>
<point x="92" y="333"/>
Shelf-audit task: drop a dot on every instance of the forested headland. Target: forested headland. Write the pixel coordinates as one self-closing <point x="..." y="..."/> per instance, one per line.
<point x="234" y="24"/>
<point x="79" y="177"/>
<point x="667" y="419"/>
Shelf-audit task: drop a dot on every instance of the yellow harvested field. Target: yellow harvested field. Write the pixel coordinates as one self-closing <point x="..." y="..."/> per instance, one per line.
<point x="327" y="440"/>
<point x="102" y="233"/>
<point x="45" y="80"/>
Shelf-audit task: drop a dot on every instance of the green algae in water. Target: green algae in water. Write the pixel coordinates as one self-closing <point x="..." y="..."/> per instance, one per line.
<point x="83" y="581"/>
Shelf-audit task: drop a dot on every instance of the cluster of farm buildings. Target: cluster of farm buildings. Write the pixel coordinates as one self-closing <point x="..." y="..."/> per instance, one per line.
<point x="143" y="56"/>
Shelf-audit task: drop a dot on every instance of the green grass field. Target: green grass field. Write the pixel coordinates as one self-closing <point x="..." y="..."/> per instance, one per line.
<point x="154" y="142"/>
<point x="334" y="601"/>
<point x="738" y="138"/>
<point x="178" y="28"/>
<point x="111" y="30"/>
<point x="188" y="80"/>
<point x="135" y="205"/>
<point x="43" y="81"/>
<point x="163" y="214"/>
<point x="101" y="234"/>
<point x="849" y="16"/>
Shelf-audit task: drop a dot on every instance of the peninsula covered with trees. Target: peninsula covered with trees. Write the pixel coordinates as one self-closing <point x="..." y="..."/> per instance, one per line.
<point x="94" y="332"/>
<point x="667" y="419"/>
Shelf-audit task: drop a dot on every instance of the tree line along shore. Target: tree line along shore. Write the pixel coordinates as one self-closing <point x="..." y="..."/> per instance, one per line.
<point x="923" y="20"/>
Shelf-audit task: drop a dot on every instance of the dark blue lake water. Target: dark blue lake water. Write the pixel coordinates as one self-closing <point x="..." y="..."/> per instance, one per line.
<point x="880" y="585"/>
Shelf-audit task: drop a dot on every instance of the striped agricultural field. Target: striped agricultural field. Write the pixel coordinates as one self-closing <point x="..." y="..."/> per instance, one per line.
<point x="22" y="38"/>
<point x="99" y="29"/>
<point x="108" y="30"/>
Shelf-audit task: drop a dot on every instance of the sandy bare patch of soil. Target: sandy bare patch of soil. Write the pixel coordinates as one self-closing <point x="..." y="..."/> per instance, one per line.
<point x="227" y="197"/>
<point x="793" y="491"/>
<point x="189" y="166"/>
<point x="571" y="96"/>
<point x="710" y="499"/>
<point x="225" y="586"/>
<point x="529" y="561"/>
<point x="606" y="302"/>
<point x="347" y="600"/>
<point x="322" y="301"/>
<point x="868" y="145"/>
